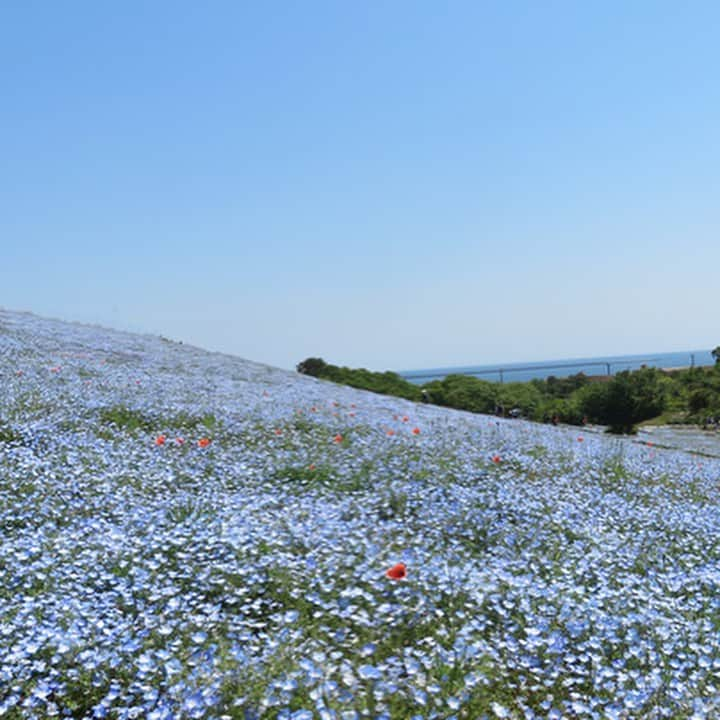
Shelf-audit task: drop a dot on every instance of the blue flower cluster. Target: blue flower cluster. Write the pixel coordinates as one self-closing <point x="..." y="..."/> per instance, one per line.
<point x="546" y="578"/>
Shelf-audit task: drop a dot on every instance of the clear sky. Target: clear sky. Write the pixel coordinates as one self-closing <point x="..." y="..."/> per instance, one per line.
<point x="392" y="185"/>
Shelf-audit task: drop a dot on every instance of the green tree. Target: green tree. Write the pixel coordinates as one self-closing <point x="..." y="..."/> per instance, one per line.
<point x="387" y="383"/>
<point x="463" y="392"/>
<point x="312" y="366"/>
<point x="627" y="399"/>
<point x="526" y="397"/>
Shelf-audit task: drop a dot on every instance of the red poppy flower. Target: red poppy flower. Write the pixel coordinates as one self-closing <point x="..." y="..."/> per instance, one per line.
<point x="338" y="438"/>
<point x="180" y="441"/>
<point x="405" y="418"/>
<point x="496" y="459"/>
<point x="313" y="409"/>
<point x="390" y="432"/>
<point x="352" y="414"/>
<point x="311" y="467"/>
<point x="397" y="572"/>
<point x="278" y="431"/>
<point x="204" y="442"/>
<point x="160" y="440"/>
<point x="581" y="438"/>
<point x="416" y="431"/>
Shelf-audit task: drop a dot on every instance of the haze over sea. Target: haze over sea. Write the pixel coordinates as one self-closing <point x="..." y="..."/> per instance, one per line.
<point x="523" y="372"/>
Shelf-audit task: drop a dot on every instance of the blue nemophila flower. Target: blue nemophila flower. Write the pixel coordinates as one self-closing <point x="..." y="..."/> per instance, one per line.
<point x="180" y="582"/>
<point x="369" y="672"/>
<point x="302" y="715"/>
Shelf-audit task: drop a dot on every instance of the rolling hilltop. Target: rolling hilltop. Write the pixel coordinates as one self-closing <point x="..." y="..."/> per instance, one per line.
<point x="187" y="534"/>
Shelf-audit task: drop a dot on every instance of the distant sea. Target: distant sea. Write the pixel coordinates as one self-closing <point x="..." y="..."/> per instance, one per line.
<point x="522" y="372"/>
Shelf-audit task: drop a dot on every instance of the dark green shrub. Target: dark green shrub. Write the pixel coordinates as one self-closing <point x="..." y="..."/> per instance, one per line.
<point x="699" y="399"/>
<point x="312" y="366"/>
<point x="523" y="396"/>
<point x="387" y="383"/>
<point x="627" y="399"/>
<point x="464" y="393"/>
<point x="566" y="410"/>
<point x="561" y="387"/>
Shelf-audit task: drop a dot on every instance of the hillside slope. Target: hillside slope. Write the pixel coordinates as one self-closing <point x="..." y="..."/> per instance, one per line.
<point x="189" y="534"/>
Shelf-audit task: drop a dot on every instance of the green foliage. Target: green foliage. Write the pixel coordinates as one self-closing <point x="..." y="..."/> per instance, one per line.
<point x="699" y="392"/>
<point x="186" y="509"/>
<point x="716" y="354"/>
<point x="699" y="399"/>
<point x="565" y="410"/>
<point x="691" y="395"/>
<point x="463" y="392"/>
<point x="561" y="387"/>
<point x="8" y="434"/>
<point x="694" y="394"/>
<point x="523" y="396"/>
<point x="386" y="383"/>
<point x="126" y="418"/>
<point x="312" y="366"/>
<point x="209" y="421"/>
<point x="395" y="505"/>
<point x="303" y="475"/>
<point x="629" y="398"/>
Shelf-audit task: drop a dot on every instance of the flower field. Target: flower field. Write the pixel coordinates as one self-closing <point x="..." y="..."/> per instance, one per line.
<point x="190" y="535"/>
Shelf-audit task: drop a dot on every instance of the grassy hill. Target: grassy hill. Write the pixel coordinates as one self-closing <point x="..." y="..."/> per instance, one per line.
<point x="190" y="535"/>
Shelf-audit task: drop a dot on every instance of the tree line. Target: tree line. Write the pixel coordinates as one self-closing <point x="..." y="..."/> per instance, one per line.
<point x="621" y="401"/>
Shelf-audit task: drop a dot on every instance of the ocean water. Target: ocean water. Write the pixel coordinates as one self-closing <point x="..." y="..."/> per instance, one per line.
<point x="522" y="372"/>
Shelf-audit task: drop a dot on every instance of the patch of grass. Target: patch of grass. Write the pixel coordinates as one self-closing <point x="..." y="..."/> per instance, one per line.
<point x="304" y="475"/>
<point x="303" y="425"/>
<point x="8" y="434"/>
<point x="126" y="418"/>
<point x="30" y="405"/>
<point x="614" y="471"/>
<point x="538" y="452"/>
<point x="185" y="421"/>
<point x="104" y="434"/>
<point x="188" y="509"/>
<point x="671" y="417"/>
<point x="395" y="505"/>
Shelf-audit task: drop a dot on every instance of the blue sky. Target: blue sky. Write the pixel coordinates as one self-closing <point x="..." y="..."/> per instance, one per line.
<point x="392" y="185"/>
